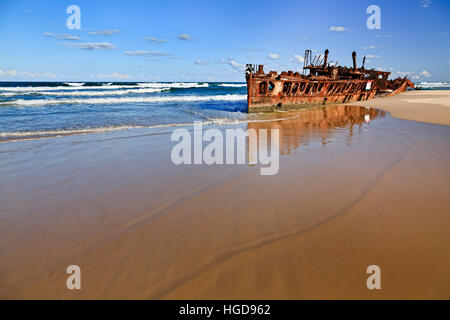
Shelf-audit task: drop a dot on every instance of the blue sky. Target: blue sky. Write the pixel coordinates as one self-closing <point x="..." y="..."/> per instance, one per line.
<point x="212" y="40"/>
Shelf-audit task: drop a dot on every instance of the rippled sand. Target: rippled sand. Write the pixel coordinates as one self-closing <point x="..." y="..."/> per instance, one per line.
<point x="355" y="188"/>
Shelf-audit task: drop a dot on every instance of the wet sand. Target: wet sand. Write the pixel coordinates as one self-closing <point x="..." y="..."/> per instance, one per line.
<point x="349" y="194"/>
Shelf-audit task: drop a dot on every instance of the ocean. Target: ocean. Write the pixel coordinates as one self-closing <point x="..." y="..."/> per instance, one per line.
<point x="31" y="110"/>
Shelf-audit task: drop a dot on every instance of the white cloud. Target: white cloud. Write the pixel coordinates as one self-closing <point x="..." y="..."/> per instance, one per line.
<point x="114" y="75"/>
<point x="383" y="36"/>
<point x="105" y="32"/>
<point x="64" y="36"/>
<point x="369" y="47"/>
<point x="184" y="36"/>
<point x="297" y="58"/>
<point x="236" y="67"/>
<point x="200" y="62"/>
<point x="92" y="45"/>
<point x="410" y="74"/>
<point x="425" y="3"/>
<point x="36" y="75"/>
<point x="337" y="28"/>
<point x="249" y="56"/>
<point x="273" y="56"/>
<point x="1" y="72"/>
<point x="156" y="40"/>
<point x="159" y="53"/>
<point x="27" y="74"/>
<point x="146" y="53"/>
<point x="372" y="56"/>
<point x="425" y="74"/>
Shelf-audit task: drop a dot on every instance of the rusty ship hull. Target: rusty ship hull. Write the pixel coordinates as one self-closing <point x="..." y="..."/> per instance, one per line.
<point x="324" y="84"/>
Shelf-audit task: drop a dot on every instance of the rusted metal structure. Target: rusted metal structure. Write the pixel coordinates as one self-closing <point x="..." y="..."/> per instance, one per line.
<point x="320" y="83"/>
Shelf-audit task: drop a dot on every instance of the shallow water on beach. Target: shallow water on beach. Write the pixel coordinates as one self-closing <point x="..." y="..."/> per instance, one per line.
<point x="141" y="227"/>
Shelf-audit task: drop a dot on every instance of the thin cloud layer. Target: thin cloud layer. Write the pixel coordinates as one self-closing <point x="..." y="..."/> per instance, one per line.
<point x="64" y="36"/>
<point x="200" y="62"/>
<point x="156" y="40"/>
<point x="92" y="45"/>
<point x="115" y="75"/>
<point x="184" y="37"/>
<point x="105" y="32"/>
<point x="337" y="28"/>
<point x="425" y="3"/>
<point x="425" y="74"/>
<point x="297" y="58"/>
<point x="14" y="73"/>
<point x="146" y="53"/>
<point x="235" y="66"/>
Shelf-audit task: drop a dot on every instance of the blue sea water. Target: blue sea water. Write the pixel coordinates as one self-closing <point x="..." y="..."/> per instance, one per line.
<point x="31" y="110"/>
<point x="38" y="109"/>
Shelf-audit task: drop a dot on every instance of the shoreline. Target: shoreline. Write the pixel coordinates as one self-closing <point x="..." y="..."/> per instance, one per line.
<point x="428" y="106"/>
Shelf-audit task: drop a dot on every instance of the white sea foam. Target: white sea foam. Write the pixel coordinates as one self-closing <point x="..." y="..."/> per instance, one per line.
<point x="39" y="89"/>
<point x="232" y="85"/>
<point x="109" y="86"/>
<point x="90" y="93"/>
<point x="154" y="99"/>
<point x="34" y="135"/>
<point x="74" y="84"/>
<point x="65" y="132"/>
<point x="433" y="84"/>
<point x="173" y="85"/>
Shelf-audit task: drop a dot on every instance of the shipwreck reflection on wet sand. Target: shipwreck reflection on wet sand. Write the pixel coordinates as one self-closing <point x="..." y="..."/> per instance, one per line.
<point x="302" y="127"/>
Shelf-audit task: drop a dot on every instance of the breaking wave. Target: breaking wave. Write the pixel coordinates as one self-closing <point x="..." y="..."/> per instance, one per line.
<point x="174" y="85"/>
<point x="39" y="110"/>
<point x="433" y="84"/>
<point x="108" y="86"/>
<point x="44" y="134"/>
<point x="75" y="84"/>
<point x="153" y="99"/>
<point x="89" y="93"/>
<point x="232" y="85"/>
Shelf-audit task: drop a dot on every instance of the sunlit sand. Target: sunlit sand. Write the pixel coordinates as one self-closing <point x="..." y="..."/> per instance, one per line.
<point x="356" y="187"/>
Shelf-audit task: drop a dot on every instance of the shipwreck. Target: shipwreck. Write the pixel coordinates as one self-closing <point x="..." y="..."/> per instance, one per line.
<point x="321" y="82"/>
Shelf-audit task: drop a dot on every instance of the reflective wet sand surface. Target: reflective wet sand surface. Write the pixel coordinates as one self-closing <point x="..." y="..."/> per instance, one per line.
<point x="355" y="188"/>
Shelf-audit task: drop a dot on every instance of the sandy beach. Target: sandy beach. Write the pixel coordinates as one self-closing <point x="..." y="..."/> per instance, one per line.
<point x="356" y="187"/>
<point x="431" y="106"/>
